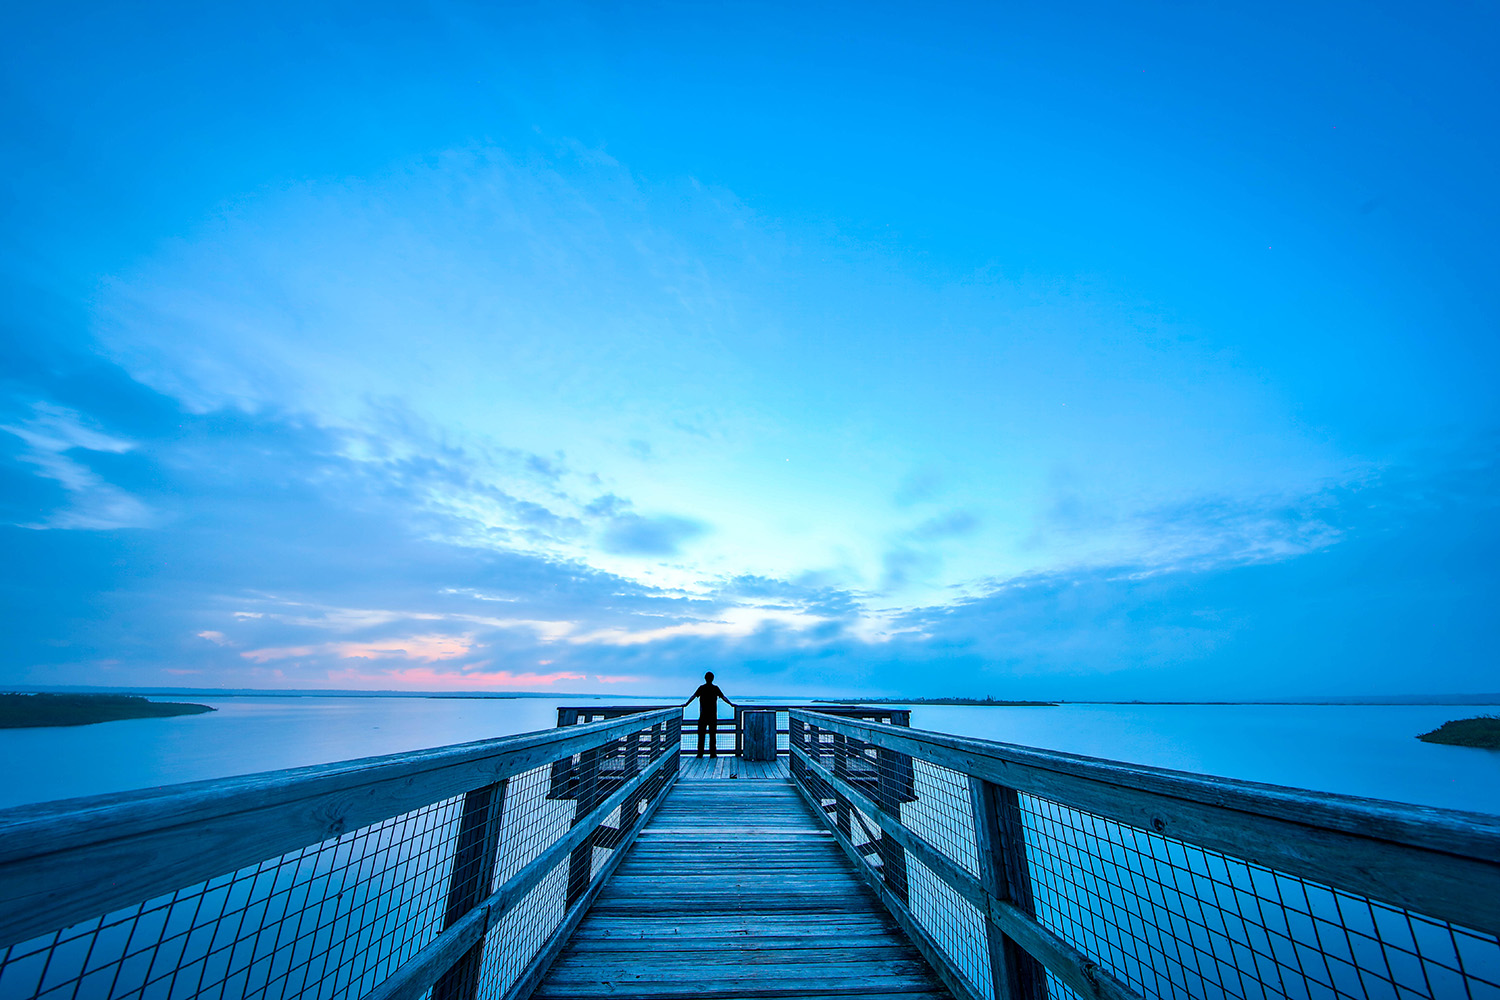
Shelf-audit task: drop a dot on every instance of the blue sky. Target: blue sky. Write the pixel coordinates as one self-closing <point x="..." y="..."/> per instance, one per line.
<point x="1072" y="351"/>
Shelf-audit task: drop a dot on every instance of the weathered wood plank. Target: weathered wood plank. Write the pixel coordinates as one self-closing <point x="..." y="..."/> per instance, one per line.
<point x="734" y="892"/>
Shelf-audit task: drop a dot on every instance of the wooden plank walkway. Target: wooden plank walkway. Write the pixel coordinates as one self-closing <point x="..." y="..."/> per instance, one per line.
<point x="727" y="767"/>
<point x="734" y="892"/>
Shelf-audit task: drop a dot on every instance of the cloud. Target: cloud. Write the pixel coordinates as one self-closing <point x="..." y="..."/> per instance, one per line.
<point x="662" y="535"/>
<point x="428" y="679"/>
<point x="56" y="439"/>
<point x="285" y="552"/>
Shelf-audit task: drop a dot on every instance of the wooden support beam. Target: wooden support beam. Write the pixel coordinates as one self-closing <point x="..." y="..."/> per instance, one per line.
<point x="1000" y="842"/>
<point x="892" y="771"/>
<point x="470" y="882"/>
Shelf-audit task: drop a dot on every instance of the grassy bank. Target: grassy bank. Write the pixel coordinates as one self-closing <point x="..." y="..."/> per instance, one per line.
<point x="1481" y="732"/>
<point x="23" y="711"/>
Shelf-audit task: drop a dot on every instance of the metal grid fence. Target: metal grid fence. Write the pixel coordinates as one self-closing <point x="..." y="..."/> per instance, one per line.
<point x="337" y="918"/>
<point x="1158" y="916"/>
<point x="327" y="921"/>
<point x="512" y="945"/>
<point x="1175" y="920"/>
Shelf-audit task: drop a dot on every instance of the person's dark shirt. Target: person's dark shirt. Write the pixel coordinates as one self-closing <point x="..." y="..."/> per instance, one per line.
<point x="708" y="696"/>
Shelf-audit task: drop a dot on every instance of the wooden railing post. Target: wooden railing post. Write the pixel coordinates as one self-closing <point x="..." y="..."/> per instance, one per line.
<point x="1003" y="872"/>
<point x="841" y="805"/>
<point x="890" y="769"/>
<point x="473" y="872"/>
<point x="586" y="797"/>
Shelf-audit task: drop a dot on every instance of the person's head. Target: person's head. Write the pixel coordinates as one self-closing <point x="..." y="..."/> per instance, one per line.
<point x="709" y="677"/>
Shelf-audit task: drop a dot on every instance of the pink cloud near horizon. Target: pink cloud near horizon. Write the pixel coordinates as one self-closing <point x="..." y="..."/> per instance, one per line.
<point x="423" y="648"/>
<point x="426" y="678"/>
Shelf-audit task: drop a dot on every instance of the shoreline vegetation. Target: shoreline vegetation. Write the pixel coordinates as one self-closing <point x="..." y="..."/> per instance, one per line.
<point x="1482" y="732"/>
<point x="32" y="711"/>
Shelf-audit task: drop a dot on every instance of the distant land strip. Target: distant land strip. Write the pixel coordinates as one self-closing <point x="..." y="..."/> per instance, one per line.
<point x="991" y="702"/>
<point x="1482" y="732"/>
<point x="29" y="711"/>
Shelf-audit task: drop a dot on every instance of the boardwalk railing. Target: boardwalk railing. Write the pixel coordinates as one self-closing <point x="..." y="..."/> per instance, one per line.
<point x="732" y="728"/>
<point x="456" y="871"/>
<point x="1024" y="874"/>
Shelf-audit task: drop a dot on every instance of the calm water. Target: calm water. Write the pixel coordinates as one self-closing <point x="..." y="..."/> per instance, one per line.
<point x="1358" y="750"/>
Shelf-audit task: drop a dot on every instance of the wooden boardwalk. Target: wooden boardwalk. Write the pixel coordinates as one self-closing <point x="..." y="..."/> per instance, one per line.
<point x="734" y="892"/>
<point x="728" y="766"/>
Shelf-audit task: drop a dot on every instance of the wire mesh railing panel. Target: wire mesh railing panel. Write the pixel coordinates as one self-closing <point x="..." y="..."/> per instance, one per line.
<point x="1175" y="920"/>
<point x="324" y="922"/>
<point x="514" y="942"/>
<point x="953" y="924"/>
<point x="521" y="934"/>
<point x="927" y="799"/>
<point x="335" y="919"/>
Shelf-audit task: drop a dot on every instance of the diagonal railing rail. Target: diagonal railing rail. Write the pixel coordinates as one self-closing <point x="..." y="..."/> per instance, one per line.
<point x="1024" y="874"/>
<point x="458" y="871"/>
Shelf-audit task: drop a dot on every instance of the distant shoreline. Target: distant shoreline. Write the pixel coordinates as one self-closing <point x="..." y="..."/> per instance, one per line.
<point x="1485" y="699"/>
<point x="979" y="702"/>
<point x="1483" y="733"/>
<point x="44" y="710"/>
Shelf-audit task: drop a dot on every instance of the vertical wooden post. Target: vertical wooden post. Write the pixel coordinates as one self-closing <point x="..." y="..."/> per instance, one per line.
<point x="586" y="797"/>
<point x="795" y="737"/>
<point x="562" y="770"/>
<point x="1001" y="842"/>
<point x="841" y="807"/>
<point x="739" y="732"/>
<point x="890" y="767"/>
<point x="674" y="745"/>
<point x="469" y="882"/>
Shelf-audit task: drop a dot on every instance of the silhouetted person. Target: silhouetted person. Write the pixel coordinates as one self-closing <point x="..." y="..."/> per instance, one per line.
<point x="708" y="695"/>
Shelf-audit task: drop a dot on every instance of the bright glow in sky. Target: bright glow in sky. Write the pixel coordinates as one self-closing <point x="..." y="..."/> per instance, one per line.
<point x="1076" y="351"/>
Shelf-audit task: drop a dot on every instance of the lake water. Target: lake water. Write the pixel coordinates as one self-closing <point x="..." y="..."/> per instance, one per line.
<point x="1358" y="750"/>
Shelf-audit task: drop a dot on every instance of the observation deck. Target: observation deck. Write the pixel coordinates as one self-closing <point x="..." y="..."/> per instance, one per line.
<point x="866" y="859"/>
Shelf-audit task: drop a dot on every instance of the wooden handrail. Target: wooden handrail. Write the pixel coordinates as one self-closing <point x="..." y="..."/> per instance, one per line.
<point x="66" y="861"/>
<point x="732" y="726"/>
<point x="1440" y="862"/>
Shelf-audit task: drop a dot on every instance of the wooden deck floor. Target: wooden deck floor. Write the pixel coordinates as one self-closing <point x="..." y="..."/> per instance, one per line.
<point x="726" y="766"/>
<point x="733" y="892"/>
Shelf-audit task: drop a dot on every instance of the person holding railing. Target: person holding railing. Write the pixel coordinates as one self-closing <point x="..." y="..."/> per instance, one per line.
<point x="708" y="695"/>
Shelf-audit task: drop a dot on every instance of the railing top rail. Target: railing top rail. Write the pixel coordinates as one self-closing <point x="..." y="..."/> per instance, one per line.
<point x="1061" y="776"/>
<point x="781" y="706"/>
<point x="499" y="757"/>
<point x="121" y="848"/>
